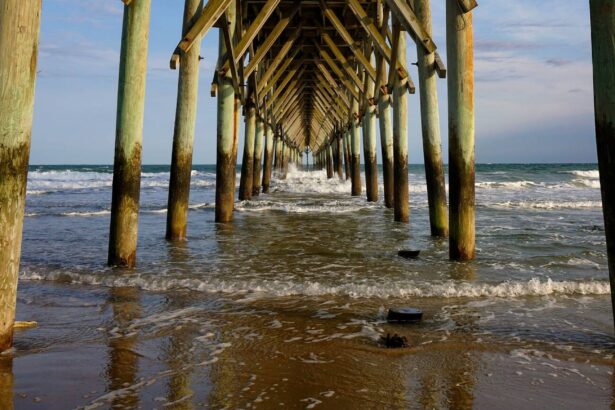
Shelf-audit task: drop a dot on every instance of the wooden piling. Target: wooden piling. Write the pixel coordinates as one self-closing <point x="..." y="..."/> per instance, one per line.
<point x="386" y="145"/>
<point x="183" y="135"/>
<point x="430" y="121"/>
<point x="334" y="154"/>
<point x="369" y="146"/>
<point x="247" y="163"/>
<point x="460" y="52"/>
<point x="329" y="154"/>
<point x="278" y="153"/>
<point x="340" y="156"/>
<point x="400" y="140"/>
<point x="602" y="14"/>
<point x="268" y="160"/>
<point x="227" y="128"/>
<point x="346" y="144"/>
<point x="129" y="135"/>
<point x="355" y="154"/>
<point x="258" y="156"/>
<point x="19" y="33"/>
<point x="285" y="159"/>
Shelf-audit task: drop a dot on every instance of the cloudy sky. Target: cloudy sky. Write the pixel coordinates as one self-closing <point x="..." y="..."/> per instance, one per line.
<point x="533" y="83"/>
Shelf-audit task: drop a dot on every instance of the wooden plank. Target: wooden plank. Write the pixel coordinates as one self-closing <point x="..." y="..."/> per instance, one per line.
<point x="265" y="88"/>
<point x="336" y="70"/>
<point x="271" y="39"/>
<point x="293" y="73"/>
<point x="275" y="63"/>
<point x="467" y="5"/>
<point x="211" y="13"/>
<point x="377" y="38"/>
<point x="345" y="35"/>
<point x="382" y="13"/>
<point x="255" y="27"/>
<point x="337" y="53"/>
<point x="439" y="66"/>
<point x="332" y="82"/>
<point x="230" y="55"/>
<point x="408" y="19"/>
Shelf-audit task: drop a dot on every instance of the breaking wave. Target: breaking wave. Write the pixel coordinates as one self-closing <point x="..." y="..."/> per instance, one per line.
<point x="263" y="288"/>
<point x="595" y="174"/>
<point x="548" y="204"/>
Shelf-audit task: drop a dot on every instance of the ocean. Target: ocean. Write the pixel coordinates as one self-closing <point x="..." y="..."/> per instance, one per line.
<point x="286" y="306"/>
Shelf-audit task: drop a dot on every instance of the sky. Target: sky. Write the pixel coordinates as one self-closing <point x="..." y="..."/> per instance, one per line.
<point x="534" y="100"/>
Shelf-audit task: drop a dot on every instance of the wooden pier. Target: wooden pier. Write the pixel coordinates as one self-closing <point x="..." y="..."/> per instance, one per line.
<point x="308" y="76"/>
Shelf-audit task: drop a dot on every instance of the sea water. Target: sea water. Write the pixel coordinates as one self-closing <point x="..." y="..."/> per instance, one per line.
<point x="286" y="305"/>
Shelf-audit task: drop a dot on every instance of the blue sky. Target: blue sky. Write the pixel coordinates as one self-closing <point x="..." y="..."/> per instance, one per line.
<point x="533" y="90"/>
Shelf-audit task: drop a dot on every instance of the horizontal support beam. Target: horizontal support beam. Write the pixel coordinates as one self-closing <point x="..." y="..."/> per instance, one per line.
<point x="211" y="14"/>
<point x="411" y="23"/>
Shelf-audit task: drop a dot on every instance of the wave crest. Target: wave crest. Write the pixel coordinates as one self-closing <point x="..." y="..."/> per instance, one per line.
<point x="277" y="288"/>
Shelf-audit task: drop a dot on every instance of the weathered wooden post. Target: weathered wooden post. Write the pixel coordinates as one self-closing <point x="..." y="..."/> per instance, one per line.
<point x="183" y="135"/>
<point x="278" y="152"/>
<point x="385" y="123"/>
<point x="430" y="120"/>
<point x="334" y="150"/>
<point x="603" y="53"/>
<point x="129" y="135"/>
<point x="227" y="128"/>
<point x="285" y="159"/>
<point x="329" y="153"/>
<point x="460" y="52"/>
<point x="19" y="32"/>
<point x="258" y="156"/>
<point x="346" y="144"/>
<point x="386" y="145"/>
<point x="247" y="163"/>
<point x="355" y="154"/>
<point x="268" y="161"/>
<point x="369" y="145"/>
<point x="340" y="155"/>
<point x="400" y="138"/>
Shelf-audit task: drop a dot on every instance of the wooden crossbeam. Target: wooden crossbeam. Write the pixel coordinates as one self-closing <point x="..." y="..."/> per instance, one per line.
<point x="340" y="57"/>
<point x="293" y="73"/>
<point x="343" y="78"/>
<point x="266" y="87"/>
<point x="211" y="14"/>
<point x="230" y="53"/>
<point x="275" y="63"/>
<point x="345" y="35"/>
<point x="467" y="5"/>
<point x="332" y="82"/>
<point x="439" y="66"/>
<point x="333" y="91"/>
<point x="375" y="35"/>
<point x="257" y="24"/>
<point x="271" y="39"/>
<point x="382" y="13"/>
<point x="411" y="23"/>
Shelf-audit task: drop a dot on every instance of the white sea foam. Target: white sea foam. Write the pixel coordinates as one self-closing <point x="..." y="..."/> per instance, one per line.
<point x="302" y="207"/>
<point x="309" y="182"/>
<point x="90" y="213"/>
<point x="43" y="182"/>
<point x="595" y="174"/>
<point x="262" y="288"/>
<point x="506" y="184"/>
<point x="547" y="204"/>
<point x="589" y="183"/>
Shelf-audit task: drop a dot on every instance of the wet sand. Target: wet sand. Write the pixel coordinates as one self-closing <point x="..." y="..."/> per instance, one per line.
<point x="124" y="348"/>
